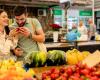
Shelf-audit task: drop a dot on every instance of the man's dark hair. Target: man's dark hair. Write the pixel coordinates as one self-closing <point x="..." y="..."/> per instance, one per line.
<point x="19" y="10"/>
<point x="1" y="10"/>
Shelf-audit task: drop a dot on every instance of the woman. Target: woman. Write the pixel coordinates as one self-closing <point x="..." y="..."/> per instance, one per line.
<point x="6" y="42"/>
<point x="83" y="31"/>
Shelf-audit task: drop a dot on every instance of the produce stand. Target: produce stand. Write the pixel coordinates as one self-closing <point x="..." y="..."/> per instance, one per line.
<point x="92" y="57"/>
<point x="77" y="71"/>
<point x="56" y="56"/>
<point x="40" y="70"/>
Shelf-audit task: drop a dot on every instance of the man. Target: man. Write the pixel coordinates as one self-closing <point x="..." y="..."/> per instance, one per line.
<point x="91" y="29"/>
<point x="29" y="32"/>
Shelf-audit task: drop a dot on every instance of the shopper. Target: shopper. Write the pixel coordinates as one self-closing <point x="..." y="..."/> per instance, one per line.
<point x="29" y="32"/>
<point x="6" y="41"/>
<point x="91" y="29"/>
<point x="73" y="33"/>
<point x="83" y="31"/>
<point x="82" y="28"/>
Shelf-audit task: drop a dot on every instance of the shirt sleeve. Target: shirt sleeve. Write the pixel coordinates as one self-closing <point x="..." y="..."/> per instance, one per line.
<point x="36" y="23"/>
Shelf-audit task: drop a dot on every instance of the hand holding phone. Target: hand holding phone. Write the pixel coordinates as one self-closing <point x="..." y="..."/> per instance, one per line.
<point x="24" y="31"/>
<point x="17" y="29"/>
<point x="13" y="32"/>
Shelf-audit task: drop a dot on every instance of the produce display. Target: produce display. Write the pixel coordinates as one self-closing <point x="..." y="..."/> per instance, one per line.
<point x="66" y="66"/>
<point x="75" y="72"/>
<point x="36" y="59"/>
<point x="56" y="57"/>
<point x="11" y="70"/>
<point x="74" y="56"/>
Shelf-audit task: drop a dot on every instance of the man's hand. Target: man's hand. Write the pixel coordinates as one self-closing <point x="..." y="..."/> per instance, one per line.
<point x="13" y="33"/>
<point x="24" y="31"/>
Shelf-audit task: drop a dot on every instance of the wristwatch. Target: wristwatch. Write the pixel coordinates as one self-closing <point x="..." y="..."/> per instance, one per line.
<point x="30" y="36"/>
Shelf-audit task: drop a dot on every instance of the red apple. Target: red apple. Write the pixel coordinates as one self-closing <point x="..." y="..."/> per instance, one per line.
<point x="62" y="70"/>
<point x="94" y="78"/>
<point x="85" y="71"/>
<point x="53" y="76"/>
<point x="44" y="75"/>
<point x="64" y="75"/>
<point x="53" y="70"/>
<point x="69" y="71"/>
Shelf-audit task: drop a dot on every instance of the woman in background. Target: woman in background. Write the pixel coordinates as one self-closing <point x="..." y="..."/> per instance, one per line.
<point x="83" y="31"/>
<point x="6" y="42"/>
<point x="82" y="28"/>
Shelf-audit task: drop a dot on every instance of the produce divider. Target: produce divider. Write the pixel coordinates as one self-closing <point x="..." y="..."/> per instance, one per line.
<point x="92" y="59"/>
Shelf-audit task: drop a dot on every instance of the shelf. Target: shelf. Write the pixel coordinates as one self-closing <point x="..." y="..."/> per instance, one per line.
<point x="31" y="3"/>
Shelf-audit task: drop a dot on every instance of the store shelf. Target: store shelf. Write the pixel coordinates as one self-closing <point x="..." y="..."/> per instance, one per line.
<point x="66" y="44"/>
<point x="81" y="45"/>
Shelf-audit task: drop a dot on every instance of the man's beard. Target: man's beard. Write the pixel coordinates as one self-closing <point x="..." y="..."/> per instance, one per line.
<point x="22" y="24"/>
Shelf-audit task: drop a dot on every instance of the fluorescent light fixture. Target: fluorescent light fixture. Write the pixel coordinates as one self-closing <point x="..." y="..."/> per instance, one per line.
<point x="63" y="1"/>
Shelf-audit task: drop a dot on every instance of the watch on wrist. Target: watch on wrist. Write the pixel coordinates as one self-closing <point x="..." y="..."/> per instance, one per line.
<point x="30" y="36"/>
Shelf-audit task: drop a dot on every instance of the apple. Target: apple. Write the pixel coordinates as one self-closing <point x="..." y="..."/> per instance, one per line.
<point x="84" y="71"/>
<point x="44" y="75"/>
<point x="69" y="71"/>
<point x="53" y="76"/>
<point x="52" y="70"/>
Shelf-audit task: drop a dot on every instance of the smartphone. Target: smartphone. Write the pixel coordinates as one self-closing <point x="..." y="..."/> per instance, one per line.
<point x="17" y="29"/>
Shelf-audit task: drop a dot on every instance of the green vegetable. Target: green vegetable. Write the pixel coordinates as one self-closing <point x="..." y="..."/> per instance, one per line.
<point x="36" y="58"/>
<point x="56" y="57"/>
